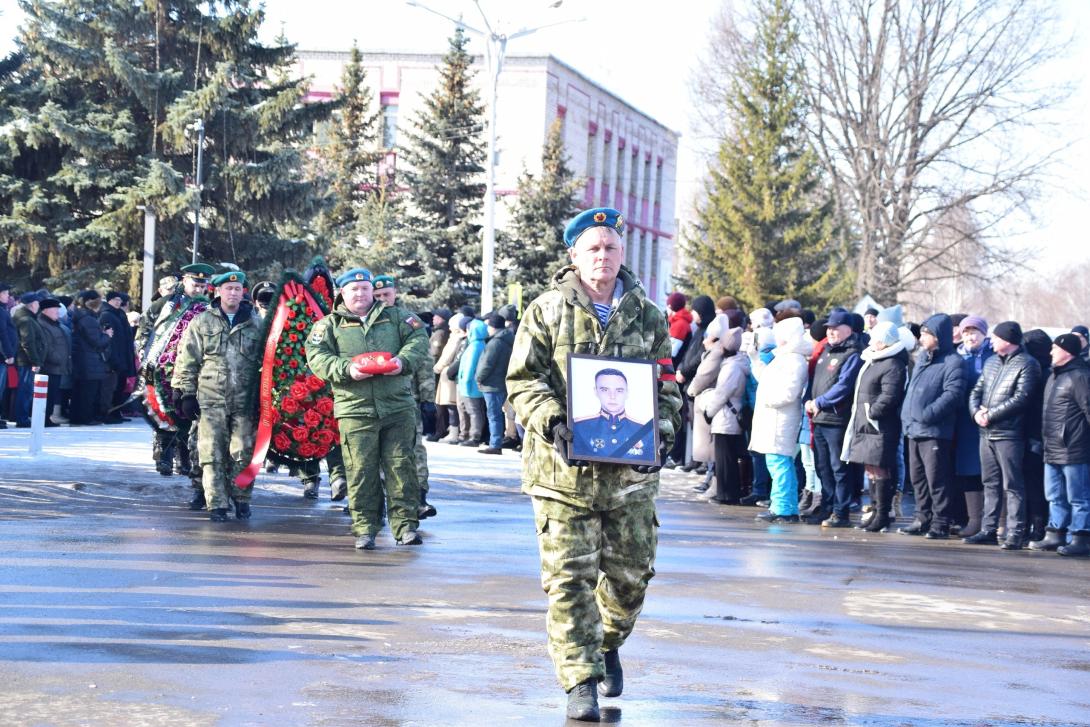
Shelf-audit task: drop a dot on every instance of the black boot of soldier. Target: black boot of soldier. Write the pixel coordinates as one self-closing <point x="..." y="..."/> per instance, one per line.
<point x="613" y="683"/>
<point x="165" y="464"/>
<point x="583" y="702"/>
<point x="182" y="465"/>
<point x="198" y="502"/>
<point x="242" y="510"/>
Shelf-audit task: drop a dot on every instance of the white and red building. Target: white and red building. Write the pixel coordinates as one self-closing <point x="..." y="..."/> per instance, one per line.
<point x="627" y="159"/>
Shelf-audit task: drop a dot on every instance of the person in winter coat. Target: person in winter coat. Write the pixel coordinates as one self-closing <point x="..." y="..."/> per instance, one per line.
<point x="29" y="356"/>
<point x="679" y="321"/>
<point x="9" y="345"/>
<point x="446" y="389"/>
<point x="703" y="448"/>
<point x="121" y="358"/>
<point x="778" y="415"/>
<point x="491" y="379"/>
<point x="90" y="349"/>
<point x="58" y="356"/>
<point x="470" y="399"/>
<point x="929" y="414"/>
<point x="975" y="349"/>
<point x="722" y="408"/>
<point x="874" y="429"/>
<point x="1066" y="439"/>
<point x="1038" y="345"/>
<point x="829" y="407"/>
<point x="999" y="402"/>
<point x="690" y="356"/>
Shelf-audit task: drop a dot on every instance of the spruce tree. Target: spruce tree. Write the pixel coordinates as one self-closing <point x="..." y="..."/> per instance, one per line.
<point x="439" y="251"/>
<point x="105" y="95"/>
<point x="765" y="231"/>
<point x="534" y="250"/>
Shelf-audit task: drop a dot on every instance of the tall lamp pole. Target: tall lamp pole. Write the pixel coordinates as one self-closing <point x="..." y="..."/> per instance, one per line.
<point x="198" y="126"/>
<point x="495" y="50"/>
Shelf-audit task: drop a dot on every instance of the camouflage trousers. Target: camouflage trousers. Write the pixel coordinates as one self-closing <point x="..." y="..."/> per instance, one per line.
<point x="225" y="443"/>
<point x="595" y="566"/>
<point x="421" y="453"/>
<point x="368" y="445"/>
<point x="167" y="448"/>
<point x="311" y="471"/>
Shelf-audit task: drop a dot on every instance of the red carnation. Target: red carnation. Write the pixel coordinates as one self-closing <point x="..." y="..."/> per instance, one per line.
<point x="288" y="350"/>
<point x="324" y="406"/>
<point x="282" y="442"/>
<point x="278" y="362"/>
<point x="293" y="337"/>
<point x="289" y="404"/>
<point x="294" y="363"/>
<point x="306" y="449"/>
<point x="299" y="390"/>
<point x="300" y="435"/>
<point x="300" y="326"/>
<point x="314" y="383"/>
<point x="320" y="452"/>
<point x="291" y="313"/>
<point x="282" y="376"/>
<point x="312" y="418"/>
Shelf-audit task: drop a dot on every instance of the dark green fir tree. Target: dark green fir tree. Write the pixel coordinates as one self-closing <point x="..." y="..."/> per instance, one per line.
<point x="438" y="253"/>
<point x="104" y="109"/>
<point x="765" y="231"/>
<point x="534" y="248"/>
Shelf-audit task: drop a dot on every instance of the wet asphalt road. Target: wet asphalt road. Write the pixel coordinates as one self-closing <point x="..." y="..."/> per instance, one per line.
<point x="118" y="606"/>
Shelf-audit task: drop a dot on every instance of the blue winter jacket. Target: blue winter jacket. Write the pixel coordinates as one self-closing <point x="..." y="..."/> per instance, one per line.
<point x="967" y="437"/>
<point x="936" y="391"/>
<point x="467" y="366"/>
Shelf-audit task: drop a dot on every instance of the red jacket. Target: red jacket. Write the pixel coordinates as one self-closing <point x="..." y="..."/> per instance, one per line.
<point x="681" y="324"/>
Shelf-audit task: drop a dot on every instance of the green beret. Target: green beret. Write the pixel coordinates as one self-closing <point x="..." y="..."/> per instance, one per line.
<point x="353" y="276"/>
<point x="198" y="271"/>
<point x="231" y="276"/>
<point x="384" y="281"/>
<point x="597" y="217"/>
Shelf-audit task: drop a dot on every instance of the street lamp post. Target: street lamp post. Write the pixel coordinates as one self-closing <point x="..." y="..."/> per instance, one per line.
<point x="198" y="126"/>
<point x="495" y="50"/>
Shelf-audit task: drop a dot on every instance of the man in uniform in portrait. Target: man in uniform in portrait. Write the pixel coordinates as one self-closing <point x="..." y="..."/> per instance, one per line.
<point x="611" y="432"/>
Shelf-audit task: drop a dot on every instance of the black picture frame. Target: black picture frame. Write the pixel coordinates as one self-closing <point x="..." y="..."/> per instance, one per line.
<point x="609" y="437"/>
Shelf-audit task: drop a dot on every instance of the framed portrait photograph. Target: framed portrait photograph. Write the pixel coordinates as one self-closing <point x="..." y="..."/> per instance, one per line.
<point x="613" y="409"/>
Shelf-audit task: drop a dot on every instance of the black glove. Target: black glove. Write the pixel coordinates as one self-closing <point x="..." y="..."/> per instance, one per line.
<point x="708" y="417"/>
<point x="562" y="439"/>
<point x="647" y="469"/>
<point x="189" y="408"/>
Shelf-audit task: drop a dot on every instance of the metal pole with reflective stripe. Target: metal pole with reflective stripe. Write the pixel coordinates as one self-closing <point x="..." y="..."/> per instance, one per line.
<point x="37" y="412"/>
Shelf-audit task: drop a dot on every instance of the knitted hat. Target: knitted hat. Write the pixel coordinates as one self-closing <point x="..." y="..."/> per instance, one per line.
<point x="761" y="318"/>
<point x="443" y="313"/>
<point x="1067" y="341"/>
<point x="464" y="323"/>
<point x="973" y="322"/>
<point x="884" y="332"/>
<point x="1081" y="330"/>
<point x="1008" y="331"/>
<point x="495" y="320"/>
<point x="676" y="301"/>
<point x="467" y="310"/>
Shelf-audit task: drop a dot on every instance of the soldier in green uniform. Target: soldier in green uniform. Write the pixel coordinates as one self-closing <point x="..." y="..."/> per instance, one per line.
<point x="596" y="523"/>
<point x="374" y="412"/>
<point x="175" y="452"/>
<point x="423" y="390"/>
<point x="215" y="375"/>
<point x="611" y="432"/>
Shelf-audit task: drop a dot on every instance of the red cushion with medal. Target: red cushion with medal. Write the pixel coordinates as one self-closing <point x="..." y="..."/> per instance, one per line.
<point x="376" y="362"/>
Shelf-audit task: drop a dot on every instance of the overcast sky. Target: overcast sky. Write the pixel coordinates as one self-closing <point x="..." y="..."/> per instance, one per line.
<point x="645" y="52"/>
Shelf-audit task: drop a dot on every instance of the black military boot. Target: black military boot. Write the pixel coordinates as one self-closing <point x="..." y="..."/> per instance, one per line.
<point x="242" y="510"/>
<point x="338" y="489"/>
<point x="613" y="683"/>
<point x="583" y="702"/>
<point x="164" y="465"/>
<point x="1054" y="538"/>
<point x="218" y="515"/>
<point x="182" y="465"/>
<point x="198" y="501"/>
<point x="883" y="499"/>
<point x="310" y="488"/>
<point x="1079" y="546"/>
<point x="425" y="509"/>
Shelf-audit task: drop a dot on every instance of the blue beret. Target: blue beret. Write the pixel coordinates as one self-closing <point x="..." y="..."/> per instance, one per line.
<point x="354" y="275"/>
<point x="384" y="281"/>
<point x="597" y="217"/>
<point x="231" y="276"/>
<point x="839" y="318"/>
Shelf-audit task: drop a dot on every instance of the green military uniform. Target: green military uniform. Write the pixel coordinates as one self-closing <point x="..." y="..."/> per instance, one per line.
<point x="596" y="525"/>
<point x="375" y="415"/>
<point x="423" y="390"/>
<point x="220" y="363"/>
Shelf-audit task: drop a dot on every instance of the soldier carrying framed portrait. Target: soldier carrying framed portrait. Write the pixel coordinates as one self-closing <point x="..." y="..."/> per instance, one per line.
<point x="612" y="410"/>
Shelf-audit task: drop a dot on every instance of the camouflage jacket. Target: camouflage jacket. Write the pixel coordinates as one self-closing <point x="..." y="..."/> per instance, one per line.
<point x="562" y="321"/>
<point x="154" y="320"/>
<point x="338" y="337"/>
<point x="220" y="363"/>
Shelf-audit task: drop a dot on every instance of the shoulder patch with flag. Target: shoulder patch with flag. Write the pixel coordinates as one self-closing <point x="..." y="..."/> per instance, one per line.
<point x="414" y="322"/>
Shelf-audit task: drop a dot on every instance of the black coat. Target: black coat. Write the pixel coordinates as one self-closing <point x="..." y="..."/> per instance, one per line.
<point x="58" y="357"/>
<point x="90" y="346"/>
<point x="1065" y="414"/>
<point x="9" y="338"/>
<point x="936" y="387"/>
<point x="1006" y="387"/>
<point x="492" y="368"/>
<point x="875" y="426"/>
<point x="32" y="343"/>
<point x="122" y="354"/>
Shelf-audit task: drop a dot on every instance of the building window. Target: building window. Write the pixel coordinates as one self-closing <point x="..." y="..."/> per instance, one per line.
<point x="592" y="156"/>
<point x="646" y="192"/>
<point x="389" y="125"/>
